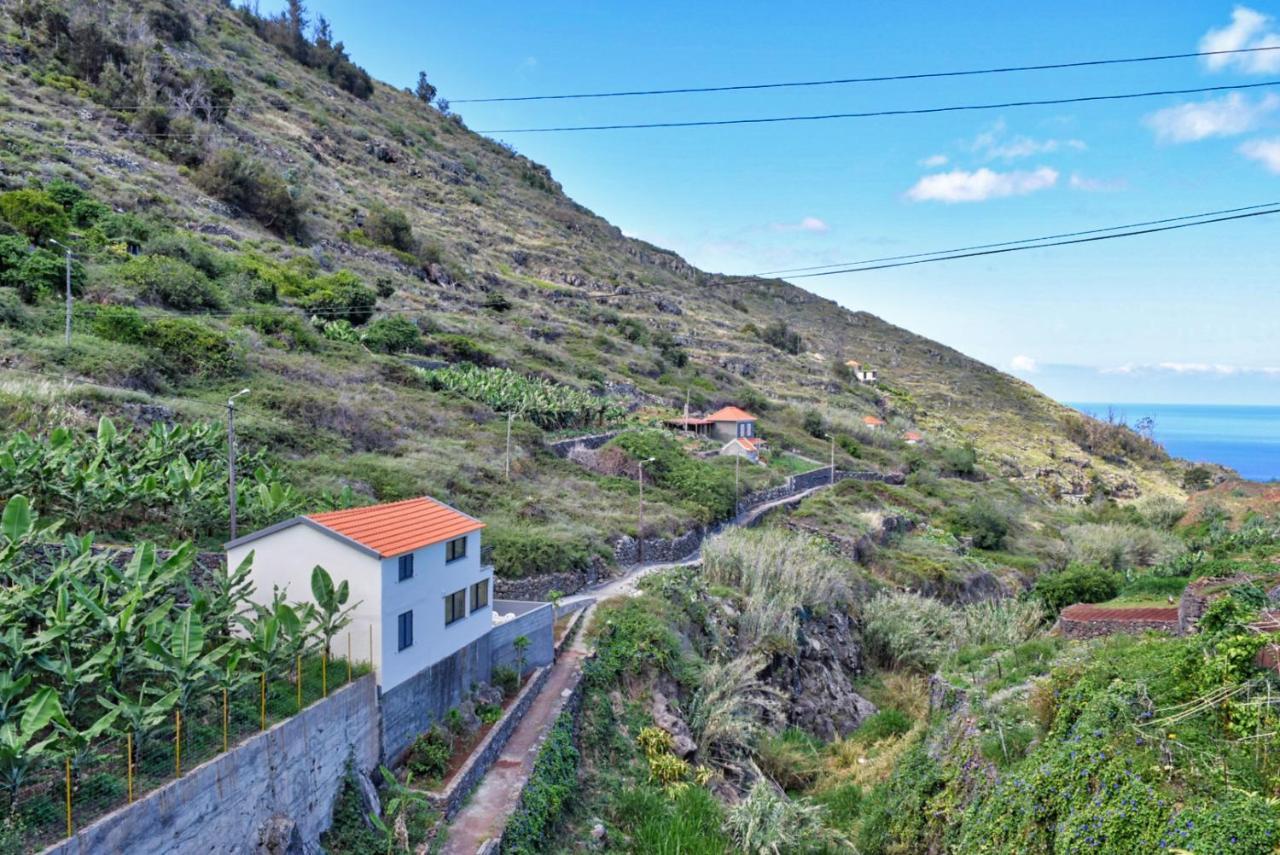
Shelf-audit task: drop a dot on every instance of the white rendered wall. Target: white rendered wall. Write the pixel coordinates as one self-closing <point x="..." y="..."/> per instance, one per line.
<point x="286" y="557"/>
<point x="424" y="594"/>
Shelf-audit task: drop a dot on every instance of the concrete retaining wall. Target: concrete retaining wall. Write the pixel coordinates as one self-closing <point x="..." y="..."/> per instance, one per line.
<point x="417" y="703"/>
<point x="536" y="622"/>
<point x="294" y="770"/>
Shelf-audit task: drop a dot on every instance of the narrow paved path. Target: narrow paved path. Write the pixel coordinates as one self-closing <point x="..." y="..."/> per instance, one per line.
<point x="491" y="804"/>
<point x="493" y="801"/>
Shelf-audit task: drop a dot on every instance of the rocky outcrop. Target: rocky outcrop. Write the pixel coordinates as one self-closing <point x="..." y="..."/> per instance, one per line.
<point x="818" y="677"/>
<point x="666" y="718"/>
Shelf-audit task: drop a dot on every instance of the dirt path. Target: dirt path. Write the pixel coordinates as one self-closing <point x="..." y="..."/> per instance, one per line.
<point x="486" y="812"/>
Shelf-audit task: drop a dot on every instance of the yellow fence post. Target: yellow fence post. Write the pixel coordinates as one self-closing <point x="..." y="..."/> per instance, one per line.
<point x="225" y="719"/>
<point x="298" y="672"/>
<point x="324" y="673"/>
<point x="128" y="763"/>
<point x="348" y="656"/>
<point x="264" y="700"/>
<point x="177" y="743"/>
<point x="70" y="828"/>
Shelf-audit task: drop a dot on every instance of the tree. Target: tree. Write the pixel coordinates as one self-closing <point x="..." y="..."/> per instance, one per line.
<point x="426" y="92"/>
<point x="814" y="425"/>
<point x="521" y="645"/>
<point x="331" y="617"/>
<point x="34" y="213"/>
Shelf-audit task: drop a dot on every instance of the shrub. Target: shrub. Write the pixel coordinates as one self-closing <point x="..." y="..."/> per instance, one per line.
<point x="882" y="725"/>
<point x="285" y="329"/>
<point x="506" y="679"/>
<point x="767" y="822"/>
<point x="631" y="636"/>
<point x="44" y="272"/>
<point x="120" y="323"/>
<point x="65" y="193"/>
<point x="350" y="831"/>
<point x="814" y="424"/>
<point x="247" y="184"/>
<point x="393" y="334"/>
<point x="1078" y="583"/>
<point x="698" y="482"/>
<point x="553" y="781"/>
<point x="1197" y="478"/>
<point x="88" y="212"/>
<point x="429" y="755"/>
<point x="169" y="282"/>
<point x="192" y="348"/>
<point x="779" y="335"/>
<point x="34" y="213"/>
<point x="904" y="630"/>
<point x="528" y="550"/>
<point x="339" y="296"/>
<point x="984" y="521"/>
<point x="959" y="460"/>
<point x="458" y="348"/>
<point x="190" y="249"/>
<point x="389" y="227"/>
<point x="1120" y="546"/>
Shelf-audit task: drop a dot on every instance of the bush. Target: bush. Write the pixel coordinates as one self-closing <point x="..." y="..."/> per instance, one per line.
<point x="709" y="487"/>
<point x="506" y="679"/>
<point x="192" y="348"/>
<point x="631" y="636"/>
<point x="768" y="822"/>
<point x="339" y="296"/>
<point x="779" y="335"/>
<point x="882" y="725"/>
<point x="247" y="184"/>
<point x="458" y="348"/>
<point x="1121" y="547"/>
<point x="429" y="755"/>
<point x="169" y="282"/>
<point x="526" y="550"/>
<point x="552" y="783"/>
<point x="190" y="249"/>
<point x="1197" y="478"/>
<point x="1078" y="583"/>
<point x="393" y="334"/>
<point x="44" y="272"/>
<point x="287" y="330"/>
<point x="88" y="212"/>
<point x="389" y="227"/>
<point x="959" y="460"/>
<point x="34" y="213"/>
<point x="350" y="831"/>
<point x="814" y="424"/>
<point x="904" y="630"/>
<point x="987" y="523"/>
<point x="120" y="323"/>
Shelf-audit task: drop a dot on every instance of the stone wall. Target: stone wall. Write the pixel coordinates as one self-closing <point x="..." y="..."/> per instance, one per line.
<point x="417" y="703"/>
<point x="535" y="621"/>
<point x="626" y="549"/>
<point x="1082" y="629"/>
<point x="538" y="587"/>
<point x="563" y="447"/>
<point x="450" y="799"/>
<point x="294" y="770"/>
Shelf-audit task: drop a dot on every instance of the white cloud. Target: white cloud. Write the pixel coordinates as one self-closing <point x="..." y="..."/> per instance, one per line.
<point x="995" y="144"/>
<point x="1248" y="29"/>
<point x="807" y="224"/>
<point x="1215" y="117"/>
<point x="1266" y="152"/>
<point x="933" y="161"/>
<point x="1195" y="369"/>
<point x="962" y="186"/>
<point x="1024" y="364"/>
<point x="1096" y="185"/>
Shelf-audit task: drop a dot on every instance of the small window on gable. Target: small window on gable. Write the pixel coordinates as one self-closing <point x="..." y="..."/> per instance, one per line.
<point x="405" y="627"/>
<point x="406" y="566"/>
<point x="455" y="549"/>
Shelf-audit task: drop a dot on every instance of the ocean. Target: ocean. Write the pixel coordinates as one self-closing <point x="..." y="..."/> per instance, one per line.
<point x="1245" y="438"/>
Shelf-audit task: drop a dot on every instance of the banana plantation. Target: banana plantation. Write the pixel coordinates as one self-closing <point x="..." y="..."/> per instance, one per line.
<point x="551" y="406"/>
<point x="170" y="481"/>
<point x="116" y="675"/>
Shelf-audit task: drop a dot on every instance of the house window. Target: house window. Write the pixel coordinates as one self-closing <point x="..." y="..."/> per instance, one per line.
<point x="405" y="626"/>
<point x="455" y="549"/>
<point x="479" y="594"/>
<point x="744" y="429"/>
<point x="406" y="566"/>
<point x="455" y="606"/>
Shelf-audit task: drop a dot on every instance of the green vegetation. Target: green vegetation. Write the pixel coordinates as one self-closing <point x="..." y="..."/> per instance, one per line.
<point x="705" y="486"/>
<point x="1079" y="583"/>
<point x="552" y="783"/>
<point x="549" y="405"/>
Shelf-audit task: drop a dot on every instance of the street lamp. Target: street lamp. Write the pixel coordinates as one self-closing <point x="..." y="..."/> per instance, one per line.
<point x="510" y="416"/>
<point x="68" y="252"/>
<point x="231" y="454"/>
<point x="640" y="528"/>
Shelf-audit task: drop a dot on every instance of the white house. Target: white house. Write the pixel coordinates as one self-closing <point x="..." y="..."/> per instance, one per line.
<point x="861" y="373"/>
<point x="745" y="447"/>
<point x="414" y="569"/>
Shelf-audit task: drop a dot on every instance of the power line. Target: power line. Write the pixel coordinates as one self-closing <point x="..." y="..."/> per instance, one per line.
<point x="850" y="80"/>
<point x="1017" y="242"/>
<point x="919" y="111"/>
<point x="1093" y="239"/>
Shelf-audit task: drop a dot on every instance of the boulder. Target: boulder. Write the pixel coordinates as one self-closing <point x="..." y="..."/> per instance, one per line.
<point x="818" y="677"/>
<point x="664" y="717"/>
<point x="279" y="835"/>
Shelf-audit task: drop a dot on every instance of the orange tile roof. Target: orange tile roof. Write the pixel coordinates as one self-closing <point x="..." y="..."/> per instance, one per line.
<point x="912" y="435"/>
<point x="399" y="527"/>
<point x="872" y="420"/>
<point x="730" y="414"/>
<point x="752" y="442"/>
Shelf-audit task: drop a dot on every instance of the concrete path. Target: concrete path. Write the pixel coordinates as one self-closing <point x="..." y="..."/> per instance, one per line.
<point x="492" y="803"/>
<point x="494" y="800"/>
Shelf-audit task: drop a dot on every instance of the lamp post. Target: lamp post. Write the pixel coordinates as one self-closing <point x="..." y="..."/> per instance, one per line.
<point x="833" y="457"/>
<point x="510" y="417"/>
<point x="67" y="249"/>
<point x="640" y="527"/>
<point x="737" y="464"/>
<point x="231" y="455"/>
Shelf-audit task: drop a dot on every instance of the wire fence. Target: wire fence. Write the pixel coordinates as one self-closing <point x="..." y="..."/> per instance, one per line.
<point x="56" y="795"/>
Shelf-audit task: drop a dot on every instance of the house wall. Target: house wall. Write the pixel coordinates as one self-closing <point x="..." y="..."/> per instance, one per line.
<point x="729" y="430"/>
<point x="286" y="557"/>
<point x="424" y="595"/>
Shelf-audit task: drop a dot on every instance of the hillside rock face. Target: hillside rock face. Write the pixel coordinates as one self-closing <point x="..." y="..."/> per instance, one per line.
<point x="818" y="677"/>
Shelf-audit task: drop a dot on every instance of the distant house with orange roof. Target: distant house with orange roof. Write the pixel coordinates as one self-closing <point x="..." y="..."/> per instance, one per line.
<point x="912" y="437"/>
<point x="747" y="447"/>
<point x="731" y="423"/>
<point x="873" y="422"/>
<point x="861" y="373"/>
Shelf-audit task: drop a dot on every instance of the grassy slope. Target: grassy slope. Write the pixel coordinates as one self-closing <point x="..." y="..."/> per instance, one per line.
<point x="499" y="225"/>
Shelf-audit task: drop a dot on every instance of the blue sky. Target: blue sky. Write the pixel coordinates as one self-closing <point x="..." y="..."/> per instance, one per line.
<point x="1188" y="316"/>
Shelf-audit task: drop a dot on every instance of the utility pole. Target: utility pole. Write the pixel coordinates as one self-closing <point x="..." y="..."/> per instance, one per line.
<point x="832" y="437"/>
<point x="67" y="249"/>
<point x="640" y="527"/>
<point x="737" y="463"/>
<point x="686" y="409"/>
<point x="231" y="455"/>
<point x="510" y="417"/>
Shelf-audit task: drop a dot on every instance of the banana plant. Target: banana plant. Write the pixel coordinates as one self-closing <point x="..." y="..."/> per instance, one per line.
<point x="21" y="745"/>
<point x="222" y="602"/>
<point x="330" y="616"/>
<point x="176" y="651"/>
<point x="141" y="714"/>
